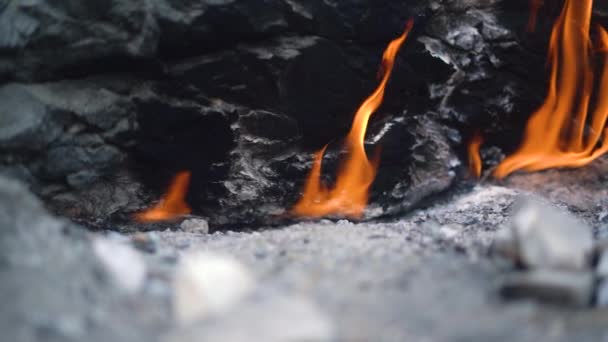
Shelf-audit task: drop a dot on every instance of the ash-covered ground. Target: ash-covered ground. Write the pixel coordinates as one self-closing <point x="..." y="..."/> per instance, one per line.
<point x="429" y="276"/>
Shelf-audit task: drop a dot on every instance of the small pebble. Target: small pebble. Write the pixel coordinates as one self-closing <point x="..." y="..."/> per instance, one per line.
<point x="145" y="242"/>
<point x="195" y="225"/>
<point x="550" y="238"/>
<point x="124" y="264"/>
<point x="208" y="284"/>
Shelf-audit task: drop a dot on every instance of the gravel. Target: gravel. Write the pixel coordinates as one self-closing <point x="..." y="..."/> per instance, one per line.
<point x="424" y="277"/>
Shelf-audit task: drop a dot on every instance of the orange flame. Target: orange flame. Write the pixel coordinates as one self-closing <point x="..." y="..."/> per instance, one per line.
<point x="555" y="135"/>
<point x="172" y="204"/>
<point x="474" y="158"/>
<point x="535" y="6"/>
<point x="603" y="37"/>
<point x="356" y="174"/>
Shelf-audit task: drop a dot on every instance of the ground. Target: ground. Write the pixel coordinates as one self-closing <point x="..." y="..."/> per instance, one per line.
<point x="427" y="276"/>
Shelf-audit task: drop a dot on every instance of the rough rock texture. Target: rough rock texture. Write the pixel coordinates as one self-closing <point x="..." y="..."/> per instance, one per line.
<point x="103" y="103"/>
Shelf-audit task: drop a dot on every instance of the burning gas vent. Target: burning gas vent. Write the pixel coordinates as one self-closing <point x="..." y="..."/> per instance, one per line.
<point x="272" y="128"/>
<point x="303" y="170"/>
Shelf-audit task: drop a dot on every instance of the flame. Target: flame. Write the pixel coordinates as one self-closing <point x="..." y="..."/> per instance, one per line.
<point x="474" y="158"/>
<point x="535" y="6"/>
<point x="349" y="195"/>
<point x="172" y="204"/>
<point x="603" y="37"/>
<point x="555" y="135"/>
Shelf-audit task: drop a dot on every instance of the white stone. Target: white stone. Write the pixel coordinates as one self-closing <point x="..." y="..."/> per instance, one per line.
<point x="277" y="318"/>
<point x="125" y="265"/>
<point x="195" y="225"/>
<point x="504" y="244"/>
<point x="448" y="232"/>
<point x="550" y="238"/>
<point x="207" y="284"/>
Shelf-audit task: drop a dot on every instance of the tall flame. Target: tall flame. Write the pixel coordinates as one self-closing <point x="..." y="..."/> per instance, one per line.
<point x="172" y="205"/>
<point x="474" y="158"/>
<point x="555" y="135"/>
<point x="349" y="195"/>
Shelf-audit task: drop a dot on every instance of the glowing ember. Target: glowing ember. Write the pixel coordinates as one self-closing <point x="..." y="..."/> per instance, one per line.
<point x="350" y="193"/>
<point x="474" y="158"/>
<point x="535" y="6"/>
<point x="172" y="205"/>
<point x="555" y="135"/>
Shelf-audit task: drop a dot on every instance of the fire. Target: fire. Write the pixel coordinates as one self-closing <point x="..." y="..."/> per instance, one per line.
<point x="535" y="6"/>
<point x="349" y="195"/>
<point x="603" y="37"/>
<point x="172" y="204"/>
<point x="556" y="135"/>
<point x="474" y="158"/>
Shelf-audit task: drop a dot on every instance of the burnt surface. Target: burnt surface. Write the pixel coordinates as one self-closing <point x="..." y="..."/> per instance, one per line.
<point x="102" y="106"/>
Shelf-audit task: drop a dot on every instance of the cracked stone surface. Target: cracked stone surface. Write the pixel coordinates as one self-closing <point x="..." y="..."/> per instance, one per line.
<point x="104" y="104"/>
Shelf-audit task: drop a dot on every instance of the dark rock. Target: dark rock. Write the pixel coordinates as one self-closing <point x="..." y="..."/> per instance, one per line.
<point x="26" y="121"/>
<point x="241" y="95"/>
<point x="45" y="36"/>
<point x="416" y="161"/>
<point x="552" y="286"/>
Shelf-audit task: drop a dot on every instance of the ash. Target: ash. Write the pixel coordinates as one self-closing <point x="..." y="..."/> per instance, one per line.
<point x="431" y="275"/>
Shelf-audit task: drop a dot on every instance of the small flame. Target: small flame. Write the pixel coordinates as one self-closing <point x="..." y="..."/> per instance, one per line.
<point x="474" y="158"/>
<point x="535" y="6"/>
<point x="555" y="135"/>
<point x="356" y="174"/>
<point x="172" y="205"/>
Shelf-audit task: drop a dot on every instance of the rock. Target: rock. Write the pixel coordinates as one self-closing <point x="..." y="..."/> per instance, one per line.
<point x="53" y="286"/>
<point x="146" y="242"/>
<point x="505" y="244"/>
<point x="81" y="33"/>
<point x="273" y="318"/>
<point x="229" y="90"/>
<point x="550" y="238"/>
<point x="601" y="295"/>
<point x="207" y="284"/>
<point x="197" y="225"/>
<point x="124" y="264"/>
<point x="26" y="122"/>
<point x="552" y="286"/>
<point x="601" y="269"/>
